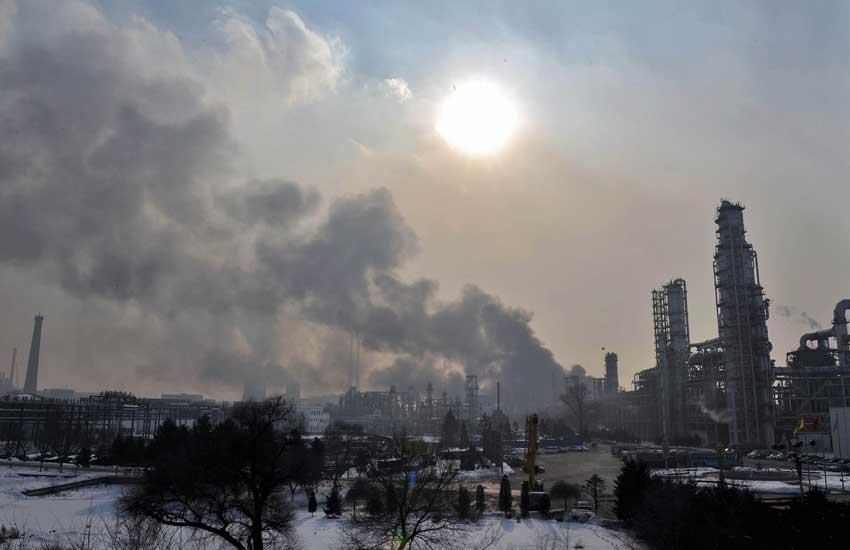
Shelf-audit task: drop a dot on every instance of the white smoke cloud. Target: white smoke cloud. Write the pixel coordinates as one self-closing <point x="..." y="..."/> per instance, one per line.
<point x="397" y="89"/>
<point x="8" y="9"/>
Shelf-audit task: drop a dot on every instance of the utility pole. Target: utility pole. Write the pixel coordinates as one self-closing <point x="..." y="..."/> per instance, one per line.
<point x="531" y="449"/>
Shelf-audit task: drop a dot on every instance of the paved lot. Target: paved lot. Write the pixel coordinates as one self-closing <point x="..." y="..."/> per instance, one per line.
<point x="570" y="467"/>
<point x="576" y="467"/>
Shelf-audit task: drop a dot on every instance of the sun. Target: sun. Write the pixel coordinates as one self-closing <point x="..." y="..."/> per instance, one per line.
<point x="478" y="118"/>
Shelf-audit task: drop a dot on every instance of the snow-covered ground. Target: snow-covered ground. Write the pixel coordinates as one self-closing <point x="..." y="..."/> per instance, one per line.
<point x="785" y="481"/>
<point x="62" y="516"/>
<point x="529" y="534"/>
<point x="484" y="473"/>
<point x="58" y="512"/>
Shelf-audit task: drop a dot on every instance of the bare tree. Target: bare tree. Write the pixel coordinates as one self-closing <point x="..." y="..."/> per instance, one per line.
<point x="576" y="397"/>
<point x="339" y="447"/>
<point x="554" y="540"/>
<point x="138" y="533"/>
<point x="229" y="482"/>
<point x="419" y="495"/>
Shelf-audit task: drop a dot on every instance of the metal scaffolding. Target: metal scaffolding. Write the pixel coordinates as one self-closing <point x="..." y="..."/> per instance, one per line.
<point x="672" y="343"/>
<point x="706" y="389"/>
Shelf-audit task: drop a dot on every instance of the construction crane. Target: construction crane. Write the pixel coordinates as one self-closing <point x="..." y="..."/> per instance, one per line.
<point x="531" y="449"/>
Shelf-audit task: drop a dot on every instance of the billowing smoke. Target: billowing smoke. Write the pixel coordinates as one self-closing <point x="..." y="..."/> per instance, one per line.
<point x="811" y="322"/>
<point x="118" y="178"/>
<point x="801" y="317"/>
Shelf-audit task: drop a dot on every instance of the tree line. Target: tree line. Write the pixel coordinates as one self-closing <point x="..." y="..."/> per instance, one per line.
<point x="675" y="515"/>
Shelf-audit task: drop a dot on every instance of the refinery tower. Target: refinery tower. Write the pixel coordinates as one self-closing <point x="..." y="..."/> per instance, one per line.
<point x="742" y="313"/>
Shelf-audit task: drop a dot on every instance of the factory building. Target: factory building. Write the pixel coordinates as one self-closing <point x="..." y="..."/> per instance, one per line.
<point x="814" y="387"/>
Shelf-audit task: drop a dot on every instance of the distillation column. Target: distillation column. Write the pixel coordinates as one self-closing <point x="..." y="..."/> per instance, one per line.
<point x="742" y="313"/>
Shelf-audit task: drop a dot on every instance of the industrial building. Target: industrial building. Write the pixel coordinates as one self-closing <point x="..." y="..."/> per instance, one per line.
<point x="391" y="411"/>
<point x="719" y="390"/>
<point x="100" y="417"/>
<point x="727" y="390"/>
<point x="815" y="382"/>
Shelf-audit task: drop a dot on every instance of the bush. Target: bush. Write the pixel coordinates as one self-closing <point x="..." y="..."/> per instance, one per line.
<point x="505" y="497"/>
<point x="566" y="491"/>
<point x="333" y="504"/>
<point x="524" y="500"/>
<point x="312" y="505"/>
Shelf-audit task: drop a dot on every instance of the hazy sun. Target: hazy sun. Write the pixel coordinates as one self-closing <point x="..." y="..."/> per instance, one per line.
<point x="478" y="118"/>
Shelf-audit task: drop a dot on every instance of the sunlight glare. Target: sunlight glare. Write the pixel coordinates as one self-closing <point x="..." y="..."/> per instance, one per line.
<point x="478" y="118"/>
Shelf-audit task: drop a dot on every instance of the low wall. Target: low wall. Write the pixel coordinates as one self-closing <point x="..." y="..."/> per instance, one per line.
<point x="105" y="480"/>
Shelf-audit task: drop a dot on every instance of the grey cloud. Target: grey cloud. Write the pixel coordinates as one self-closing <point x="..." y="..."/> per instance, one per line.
<point x="273" y="202"/>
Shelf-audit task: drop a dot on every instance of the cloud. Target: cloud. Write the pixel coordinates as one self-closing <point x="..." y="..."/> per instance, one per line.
<point x="282" y="59"/>
<point x="397" y="89"/>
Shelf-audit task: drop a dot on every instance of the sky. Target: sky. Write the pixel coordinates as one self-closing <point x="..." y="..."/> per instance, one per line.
<point x="197" y="194"/>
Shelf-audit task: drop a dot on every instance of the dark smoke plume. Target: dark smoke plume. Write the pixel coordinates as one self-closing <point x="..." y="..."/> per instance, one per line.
<point x="121" y="185"/>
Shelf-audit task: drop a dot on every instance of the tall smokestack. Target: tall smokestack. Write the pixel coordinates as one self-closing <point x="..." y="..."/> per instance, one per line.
<point x="498" y="396"/>
<point x="12" y="372"/>
<point x="612" y="379"/>
<point x="31" y="384"/>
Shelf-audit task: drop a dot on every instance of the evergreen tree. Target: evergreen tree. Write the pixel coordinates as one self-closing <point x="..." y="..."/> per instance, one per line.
<point x="312" y="505"/>
<point x="374" y="503"/>
<point x="524" y="500"/>
<point x="480" y="502"/>
<point x="596" y="487"/>
<point x="505" y="498"/>
<point x="630" y="488"/>
<point x="463" y="503"/>
<point x="333" y="504"/>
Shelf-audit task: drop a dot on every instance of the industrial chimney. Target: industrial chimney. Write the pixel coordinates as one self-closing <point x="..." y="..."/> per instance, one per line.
<point x="612" y="380"/>
<point x="31" y="384"/>
<point x="12" y="372"/>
